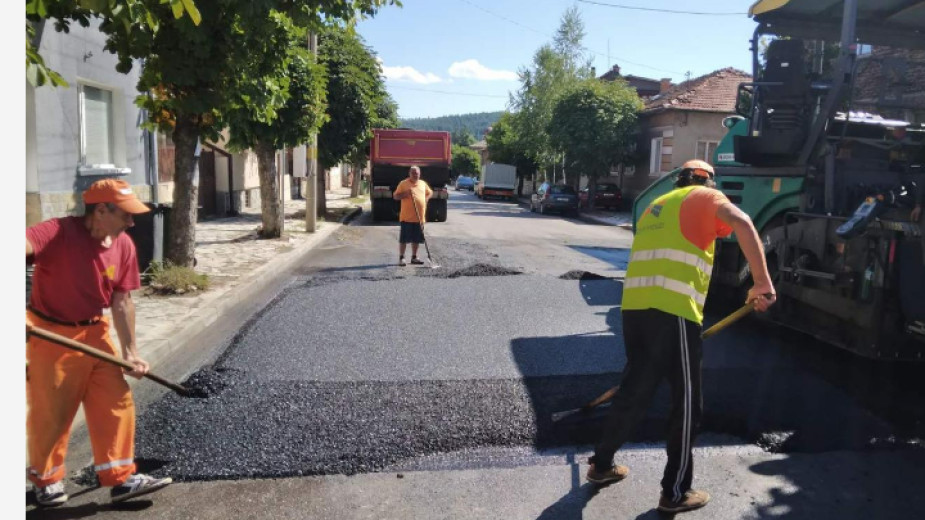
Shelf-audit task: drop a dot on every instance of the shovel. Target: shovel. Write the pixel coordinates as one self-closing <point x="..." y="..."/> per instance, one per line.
<point x="433" y="265"/>
<point x="98" y="354"/>
<point x="608" y="395"/>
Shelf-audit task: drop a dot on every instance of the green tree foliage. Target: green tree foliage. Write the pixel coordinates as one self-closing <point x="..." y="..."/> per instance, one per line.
<point x="594" y="125"/>
<point x="556" y="67"/>
<point x="195" y="75"/>
<point x="475" y="123"/>
<point x="356" y="94"/>
<point x="465" y="161"/>
<point x="287" y="74"/>
<point x="357" y="100"/>
<point x="462" y="137"/>
<point x="128" y="18"/>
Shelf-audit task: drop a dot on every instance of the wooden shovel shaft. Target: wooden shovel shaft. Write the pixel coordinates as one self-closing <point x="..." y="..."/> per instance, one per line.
<point x="98" y="354"/>
<point x="728" y="320"/>
<point x="608" y="395"/>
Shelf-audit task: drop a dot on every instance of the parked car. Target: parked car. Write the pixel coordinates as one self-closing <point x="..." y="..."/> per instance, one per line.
<point x="554" y="197"/>
<point x="606" y="196"/>
<point x="465" y="183"/>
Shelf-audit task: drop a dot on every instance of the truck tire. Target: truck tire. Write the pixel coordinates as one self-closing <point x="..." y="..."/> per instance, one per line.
<point x="436" y="212"/>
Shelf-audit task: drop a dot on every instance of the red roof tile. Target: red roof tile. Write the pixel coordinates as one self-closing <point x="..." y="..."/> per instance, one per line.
<point x="713" y="92"/>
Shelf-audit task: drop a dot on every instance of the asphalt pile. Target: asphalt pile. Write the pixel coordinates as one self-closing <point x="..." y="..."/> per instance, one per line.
<point x="477" y="270"/>
<point x="582" y="275"/>
<point x="260" y="429"/>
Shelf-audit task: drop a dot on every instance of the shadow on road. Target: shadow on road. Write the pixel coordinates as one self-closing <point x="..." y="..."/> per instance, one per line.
<point x="571" y="505"/>
<point x="82" y="510"/>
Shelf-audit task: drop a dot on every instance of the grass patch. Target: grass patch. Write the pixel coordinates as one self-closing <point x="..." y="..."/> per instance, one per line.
<point x="165" y="278"/>
<point x="358" y="200"/>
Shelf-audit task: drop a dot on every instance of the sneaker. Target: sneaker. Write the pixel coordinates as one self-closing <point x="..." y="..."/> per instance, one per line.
<point x="415" y="261"/>
<point x="401" y="261"/>
<point x="137" y="485"/>
<point x="691" y="500"/>
<point x="614" y="474"/>
<point x="51" y="495"/>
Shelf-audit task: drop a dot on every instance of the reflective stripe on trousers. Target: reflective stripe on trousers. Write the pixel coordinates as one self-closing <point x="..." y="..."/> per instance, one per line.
<point x="686" y="429"/>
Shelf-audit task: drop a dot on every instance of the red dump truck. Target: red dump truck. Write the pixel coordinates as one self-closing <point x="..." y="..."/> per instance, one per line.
<point x="392" y="152"/>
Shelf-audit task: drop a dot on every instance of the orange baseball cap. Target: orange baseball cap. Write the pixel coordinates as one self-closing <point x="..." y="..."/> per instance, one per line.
<point x="117" y="192"/>
<point x="700" y="168"/>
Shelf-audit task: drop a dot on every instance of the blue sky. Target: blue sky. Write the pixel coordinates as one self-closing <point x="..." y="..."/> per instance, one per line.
<point x="457" y="56"/>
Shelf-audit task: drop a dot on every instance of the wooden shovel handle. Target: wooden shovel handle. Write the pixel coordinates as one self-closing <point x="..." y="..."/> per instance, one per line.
<point x="98" y="354"/>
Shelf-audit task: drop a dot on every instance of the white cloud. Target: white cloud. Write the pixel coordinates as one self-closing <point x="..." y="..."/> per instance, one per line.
<point x="472" y="69"/>
<point x="409" y="74"/>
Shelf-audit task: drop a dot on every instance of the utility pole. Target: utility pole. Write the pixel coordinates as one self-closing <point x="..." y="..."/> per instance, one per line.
<point x="311" y="181"/>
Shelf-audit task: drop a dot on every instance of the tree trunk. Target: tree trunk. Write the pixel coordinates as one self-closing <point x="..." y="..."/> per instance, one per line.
<point x="319" y="192"/>
<point x="270" y="212"/>
<point x="355" y="187"/>
<point x="181" y="245"/>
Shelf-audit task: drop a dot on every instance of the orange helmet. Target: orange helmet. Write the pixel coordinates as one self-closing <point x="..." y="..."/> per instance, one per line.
<point x="698" y="168"/>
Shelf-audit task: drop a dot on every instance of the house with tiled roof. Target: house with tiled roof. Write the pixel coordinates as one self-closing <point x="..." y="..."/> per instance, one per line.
<point x="682" y="123"/>
<point x="645" y="87"/>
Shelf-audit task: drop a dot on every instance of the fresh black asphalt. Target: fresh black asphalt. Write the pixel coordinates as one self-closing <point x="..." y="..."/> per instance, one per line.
<point x="345" y="374"/>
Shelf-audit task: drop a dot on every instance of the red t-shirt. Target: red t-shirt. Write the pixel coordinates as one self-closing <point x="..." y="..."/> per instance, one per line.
<point x="75" y="275"/>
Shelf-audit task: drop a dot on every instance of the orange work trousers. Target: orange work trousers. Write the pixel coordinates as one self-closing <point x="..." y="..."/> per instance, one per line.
<point x="58" y="380"/>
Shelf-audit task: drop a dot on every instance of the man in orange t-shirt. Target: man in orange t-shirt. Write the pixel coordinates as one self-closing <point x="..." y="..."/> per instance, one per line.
<point x="413" y="194"/>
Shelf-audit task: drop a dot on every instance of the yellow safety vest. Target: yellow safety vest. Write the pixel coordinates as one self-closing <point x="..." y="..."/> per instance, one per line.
<point x="666" y="271"/>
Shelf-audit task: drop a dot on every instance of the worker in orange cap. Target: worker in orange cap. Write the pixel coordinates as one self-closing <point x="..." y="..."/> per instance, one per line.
<point x="664" y="292"/>
<point x="83" y="265"/>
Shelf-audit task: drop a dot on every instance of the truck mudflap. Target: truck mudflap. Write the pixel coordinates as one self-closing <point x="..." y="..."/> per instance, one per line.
<point x="440" y="194"/>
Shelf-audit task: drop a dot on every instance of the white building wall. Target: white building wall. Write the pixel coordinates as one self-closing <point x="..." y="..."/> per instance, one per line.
<point x="53" y="122"/>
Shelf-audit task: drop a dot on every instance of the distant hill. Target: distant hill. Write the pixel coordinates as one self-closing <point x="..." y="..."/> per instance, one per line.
<point x="474" y="123"/>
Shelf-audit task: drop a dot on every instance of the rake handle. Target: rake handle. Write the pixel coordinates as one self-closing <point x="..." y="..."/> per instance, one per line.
<point x="98" y="354"/>
<point x="421" y="221"/>
<point x="719" y="326"/>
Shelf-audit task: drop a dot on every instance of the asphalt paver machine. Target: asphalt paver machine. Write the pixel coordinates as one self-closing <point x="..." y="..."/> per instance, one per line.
<point x="827" y="156"/>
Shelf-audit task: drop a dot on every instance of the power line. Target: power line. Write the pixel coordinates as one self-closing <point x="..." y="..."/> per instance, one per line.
<point x="607" y="56"/>
<point x="448" y="92"/>
<point x="672" y="11"/>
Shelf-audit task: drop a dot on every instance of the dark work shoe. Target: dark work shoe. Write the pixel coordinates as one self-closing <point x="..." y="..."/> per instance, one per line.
<point x="401" y="261"/>
<point x="614" y="474"/>
<point x="51" y="495"/>
<point x="415" y="261"/>
<point x="691" y="500"/>
<point x="137" y="485"/>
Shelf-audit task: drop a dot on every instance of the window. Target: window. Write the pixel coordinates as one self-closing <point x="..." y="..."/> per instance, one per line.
<point x="706" y="150"/>
<point x="102" y="140"/>
<point x="655" y="156"/>
<point x="96" y="139"/>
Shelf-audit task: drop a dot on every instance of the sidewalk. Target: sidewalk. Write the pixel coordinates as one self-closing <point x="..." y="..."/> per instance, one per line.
<point x="238" y="263"/>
